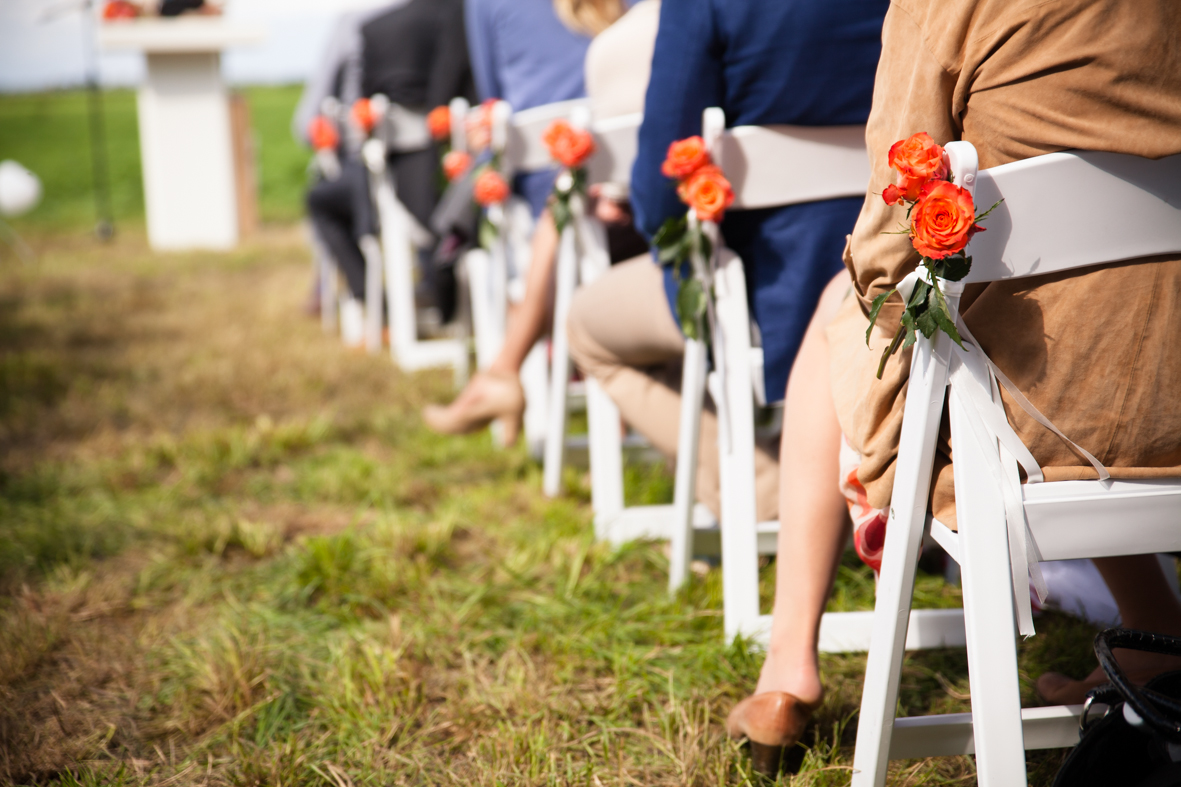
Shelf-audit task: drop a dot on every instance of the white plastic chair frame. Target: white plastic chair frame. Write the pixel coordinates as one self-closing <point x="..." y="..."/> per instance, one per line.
<point x="824" y="163"/>
<point x="516" y="137"/>
<point x="1062" y="211"/>
<point x="401" y="237"/>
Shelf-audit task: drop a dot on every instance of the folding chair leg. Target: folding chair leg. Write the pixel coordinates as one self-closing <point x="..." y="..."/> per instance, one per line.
<point x="555" y="435"/>
<point x="989" y="616"/>
<point x="606" y="456"/>
<point x="371" y="250"/>
<point x="904" y="536"/>
<point x="688" y="443"/>
<point x="535" y="379"/>
<point x="326" y="272"/>
<point x="740" y="545"/>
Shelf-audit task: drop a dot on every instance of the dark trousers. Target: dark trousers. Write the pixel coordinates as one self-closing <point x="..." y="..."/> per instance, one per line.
<point x="342" y="210"/>
<point x="342" y="213"/>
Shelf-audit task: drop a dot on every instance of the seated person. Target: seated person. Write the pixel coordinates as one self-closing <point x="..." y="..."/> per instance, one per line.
<point x="1017" y="79"/>
<point x="508" y="61"/>
<point x="798" y="62"/>
<point x="415" y="54"/>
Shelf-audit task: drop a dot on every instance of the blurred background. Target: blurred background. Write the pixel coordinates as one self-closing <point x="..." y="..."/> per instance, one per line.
<point x="47" y="54"/>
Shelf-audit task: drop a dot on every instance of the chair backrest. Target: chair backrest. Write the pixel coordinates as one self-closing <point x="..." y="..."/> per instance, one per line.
<point x="1063" y="211"/>
<point x="769" y="166"/>
<point x="616" y="143"/>
<point x="459" y="109"/>
<point x="521" y="132"/>
<point x="401" y="130"/>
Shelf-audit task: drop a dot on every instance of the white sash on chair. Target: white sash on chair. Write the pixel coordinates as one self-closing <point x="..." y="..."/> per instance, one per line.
<point x="975" y="382"/>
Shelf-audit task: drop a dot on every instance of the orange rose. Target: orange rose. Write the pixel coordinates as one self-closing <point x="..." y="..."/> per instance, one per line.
<point x="685" y="157"/>
<point x="456" y="163"/>
<point x="490" y="188"/>
<point x="943" y="221"/>
<point x="323" y="134"/>
<point x="119" y="9"/>
<point x="363" y="115"/>
<point x="438" y="121"/>
<point x="892" y="195"/>
<point x="708" y="192"/>
<point x="568" y="146"/>
<point x="918" y="161"/>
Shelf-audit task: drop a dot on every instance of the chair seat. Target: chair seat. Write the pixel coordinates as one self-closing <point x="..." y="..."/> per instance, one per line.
<point x="1075" y="519"/>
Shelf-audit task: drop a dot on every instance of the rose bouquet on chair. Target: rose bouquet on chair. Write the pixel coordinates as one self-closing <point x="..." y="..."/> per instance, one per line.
<point x="682" y="239"/>
<point x="941" y="219"/>
<point x="571" y="147"/>
<point x="454" y="163"/>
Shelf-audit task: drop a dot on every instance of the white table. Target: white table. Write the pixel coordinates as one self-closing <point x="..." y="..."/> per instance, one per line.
<point x="186" y="144"/>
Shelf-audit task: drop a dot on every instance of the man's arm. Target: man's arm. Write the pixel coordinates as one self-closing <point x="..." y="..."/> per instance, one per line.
<point x="686" y="79"/>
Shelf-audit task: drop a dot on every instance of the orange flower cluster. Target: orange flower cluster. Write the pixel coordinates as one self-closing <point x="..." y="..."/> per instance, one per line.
<point x="702" y="185"/>
<point x="943" y="221"/>
<point x="323" y="134"/>
<point x="569" y="146"/>
<point x="363" y="115"/>
<point x="455" y="163"/>
<point x="943" y="216"/>
<point x="918" y="161"/>
<point x="119" y="9"/>
<point x="490" y="188"/>
<point x="438" y="122"/>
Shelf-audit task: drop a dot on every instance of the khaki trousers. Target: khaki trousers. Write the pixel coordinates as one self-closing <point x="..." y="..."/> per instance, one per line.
<point x="622" y="334"/>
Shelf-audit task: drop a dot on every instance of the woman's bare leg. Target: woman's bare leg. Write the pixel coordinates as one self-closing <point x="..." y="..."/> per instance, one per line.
<point x="812" y="512"/>
<point x="527" y="322"/>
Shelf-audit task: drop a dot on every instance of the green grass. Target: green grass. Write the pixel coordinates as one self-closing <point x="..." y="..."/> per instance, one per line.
<point x="230" y="554"/>
<point x="49" y="134"/>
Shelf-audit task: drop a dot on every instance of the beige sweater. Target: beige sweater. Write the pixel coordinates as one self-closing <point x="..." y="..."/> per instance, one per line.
<point x="1098" y="352"/>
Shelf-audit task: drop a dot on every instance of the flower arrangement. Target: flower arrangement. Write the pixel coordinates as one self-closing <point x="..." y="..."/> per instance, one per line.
<point x="322" y="134"/>
<point x="490" y="188"/>
<point x="706" y="191"/>
<point x="572" y="148"/>
<point x="120" y="9"/>
<point x="438" y="122"/>
<point x="456" y="163"/>
<point x="941" y="219"/>
<point x="364" y="115"/>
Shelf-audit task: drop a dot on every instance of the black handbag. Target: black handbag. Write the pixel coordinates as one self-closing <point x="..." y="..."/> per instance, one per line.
<point x="1137" y="742"/>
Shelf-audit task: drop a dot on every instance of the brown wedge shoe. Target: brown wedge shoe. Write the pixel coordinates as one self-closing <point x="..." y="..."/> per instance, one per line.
<point x="772" y="722"/>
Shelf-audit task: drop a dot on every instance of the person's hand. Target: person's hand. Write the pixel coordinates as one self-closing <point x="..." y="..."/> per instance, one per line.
<point x="608" y="210"/>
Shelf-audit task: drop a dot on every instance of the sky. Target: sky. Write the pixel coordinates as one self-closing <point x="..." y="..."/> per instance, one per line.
<point x="39" y="54"/>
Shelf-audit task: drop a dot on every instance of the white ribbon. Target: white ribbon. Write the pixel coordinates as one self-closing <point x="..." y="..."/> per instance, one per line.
<point x="970" y="372"/>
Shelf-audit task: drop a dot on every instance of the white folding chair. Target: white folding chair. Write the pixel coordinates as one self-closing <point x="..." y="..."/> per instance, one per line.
<point x="400" y="131"/>
<point x="1051" y="220"/>
<point x="825" y="163"/>
<point x="497" y="276"/>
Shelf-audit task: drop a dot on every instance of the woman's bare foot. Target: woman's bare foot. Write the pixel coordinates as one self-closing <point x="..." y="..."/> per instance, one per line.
<point x="1140" y="667"/>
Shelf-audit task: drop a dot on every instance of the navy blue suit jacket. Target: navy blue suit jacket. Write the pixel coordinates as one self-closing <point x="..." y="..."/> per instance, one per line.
<point x="798" y="62"/>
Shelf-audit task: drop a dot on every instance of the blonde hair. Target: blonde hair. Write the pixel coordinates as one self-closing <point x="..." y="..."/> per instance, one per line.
<point x="588" y="16"/>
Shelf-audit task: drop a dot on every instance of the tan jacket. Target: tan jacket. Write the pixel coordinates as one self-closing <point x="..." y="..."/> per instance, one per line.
<point x="1098" y="352"/>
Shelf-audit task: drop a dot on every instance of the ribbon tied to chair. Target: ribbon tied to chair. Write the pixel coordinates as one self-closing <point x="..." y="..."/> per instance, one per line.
<point x="975" y="383"/>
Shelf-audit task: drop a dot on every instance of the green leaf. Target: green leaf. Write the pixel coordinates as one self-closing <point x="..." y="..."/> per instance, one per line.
<point x="925" y="322"/>
<point x="671" y="232"/>
<point x="908" y="325"/>
<point x="919" y="294"/>
<point x="560" y="209"/>
<point x="878" y="303"/>
<point x="488" y="233"/>
<point x="942" y="316"/>
<point x="691" y="306"/>
<point x="953" y="268"/>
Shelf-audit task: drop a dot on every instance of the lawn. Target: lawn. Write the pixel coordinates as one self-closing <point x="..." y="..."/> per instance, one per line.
<point x="49" y="134"/>
<point x="230" y="554"/>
